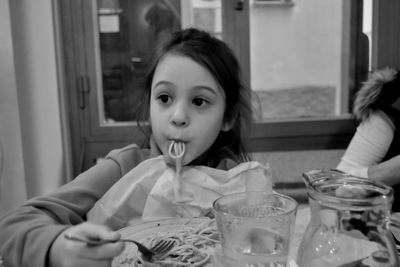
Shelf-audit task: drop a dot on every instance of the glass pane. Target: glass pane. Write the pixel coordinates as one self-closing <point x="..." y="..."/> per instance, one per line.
<point x="297" y="59"/>
<point x="128" y="30"/>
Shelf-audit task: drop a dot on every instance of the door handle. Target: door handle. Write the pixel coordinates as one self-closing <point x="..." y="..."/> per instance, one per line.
<point x="83" y="89"/>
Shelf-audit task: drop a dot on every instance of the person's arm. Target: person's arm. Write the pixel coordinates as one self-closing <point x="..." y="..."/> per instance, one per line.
<point x="368" y="146"/>
<point x="28" y="232"/>
<point x="387" y="171"/>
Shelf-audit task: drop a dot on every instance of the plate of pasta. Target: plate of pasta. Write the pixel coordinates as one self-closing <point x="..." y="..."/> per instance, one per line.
<point x="196" y="240"/>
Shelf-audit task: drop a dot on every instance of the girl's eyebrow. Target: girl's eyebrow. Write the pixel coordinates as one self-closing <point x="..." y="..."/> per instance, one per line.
<point x="197" y="87"/>
<point x="162" y="83"/>
<point x="206" y="88"/>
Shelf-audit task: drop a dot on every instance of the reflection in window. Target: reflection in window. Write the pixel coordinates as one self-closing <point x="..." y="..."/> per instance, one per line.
<point x="128" y="32"/>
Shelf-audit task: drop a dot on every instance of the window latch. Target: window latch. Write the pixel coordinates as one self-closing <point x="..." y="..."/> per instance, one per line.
<point x="83" y="90"/>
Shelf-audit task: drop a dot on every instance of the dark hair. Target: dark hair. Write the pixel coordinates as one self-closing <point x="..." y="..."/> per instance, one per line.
<point x="214" y="55"/>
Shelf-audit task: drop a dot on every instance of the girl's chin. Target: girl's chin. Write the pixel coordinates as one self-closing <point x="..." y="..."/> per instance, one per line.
<point x="172" y="161"/>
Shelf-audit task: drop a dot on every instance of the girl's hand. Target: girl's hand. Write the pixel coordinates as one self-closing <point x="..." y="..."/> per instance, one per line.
<point x="67" y="253"/>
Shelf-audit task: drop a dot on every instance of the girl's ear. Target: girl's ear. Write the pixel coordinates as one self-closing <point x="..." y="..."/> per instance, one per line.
<point x="229" y="120"/>
<point x="228" y="125"/>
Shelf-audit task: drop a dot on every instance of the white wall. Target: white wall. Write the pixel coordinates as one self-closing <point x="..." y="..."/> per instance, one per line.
<point x="32" y="99"/>
<point x="12" y="174"/>
<point x="296" y="45"/>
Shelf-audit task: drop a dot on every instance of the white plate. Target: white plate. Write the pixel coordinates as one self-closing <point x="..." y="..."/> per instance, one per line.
<point x="139" y="232"/>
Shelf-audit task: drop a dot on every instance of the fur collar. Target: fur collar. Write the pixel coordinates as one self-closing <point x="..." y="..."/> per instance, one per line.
<point x="370" y="92"/>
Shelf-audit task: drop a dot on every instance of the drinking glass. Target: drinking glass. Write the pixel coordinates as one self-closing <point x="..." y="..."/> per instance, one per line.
<point x="255" y="228"/>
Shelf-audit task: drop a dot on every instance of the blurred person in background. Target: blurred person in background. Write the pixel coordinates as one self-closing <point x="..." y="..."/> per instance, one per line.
<point x="374" y="151"/>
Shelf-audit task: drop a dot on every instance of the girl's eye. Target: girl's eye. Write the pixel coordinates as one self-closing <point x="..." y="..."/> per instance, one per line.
<point x="199" y="102"/>
<point x="164" y="98"/>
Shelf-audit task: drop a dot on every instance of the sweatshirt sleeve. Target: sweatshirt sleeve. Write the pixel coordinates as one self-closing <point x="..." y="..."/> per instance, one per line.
<point x="369" y="145"/>
<point x="27" y="233"/>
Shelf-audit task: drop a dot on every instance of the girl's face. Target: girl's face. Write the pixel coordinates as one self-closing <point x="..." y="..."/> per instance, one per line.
<point x="186" y="105"/>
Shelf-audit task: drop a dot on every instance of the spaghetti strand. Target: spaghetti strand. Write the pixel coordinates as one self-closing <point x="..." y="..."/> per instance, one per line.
<point x="177" y="151"/>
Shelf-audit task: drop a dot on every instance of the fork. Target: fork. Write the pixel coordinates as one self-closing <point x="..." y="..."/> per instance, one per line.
<point x="160" y="248"/>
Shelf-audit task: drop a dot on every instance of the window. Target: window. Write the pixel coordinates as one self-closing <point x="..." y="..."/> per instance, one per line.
<point x="305" y="62"/>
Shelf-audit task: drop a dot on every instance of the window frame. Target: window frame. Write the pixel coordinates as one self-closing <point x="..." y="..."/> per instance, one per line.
<point x="335" y="132"/>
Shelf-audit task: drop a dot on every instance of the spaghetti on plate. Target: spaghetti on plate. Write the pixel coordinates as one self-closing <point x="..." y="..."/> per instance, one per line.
<point x="194" y="245"/>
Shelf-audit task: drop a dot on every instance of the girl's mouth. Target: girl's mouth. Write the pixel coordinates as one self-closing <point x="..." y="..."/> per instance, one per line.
<point x="176" y="149"/>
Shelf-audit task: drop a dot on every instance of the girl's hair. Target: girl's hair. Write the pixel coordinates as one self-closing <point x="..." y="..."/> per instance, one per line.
<point x="214" y="55"/>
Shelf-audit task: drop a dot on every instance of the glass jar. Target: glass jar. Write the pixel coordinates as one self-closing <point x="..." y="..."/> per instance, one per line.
<point x="350" y="222"/>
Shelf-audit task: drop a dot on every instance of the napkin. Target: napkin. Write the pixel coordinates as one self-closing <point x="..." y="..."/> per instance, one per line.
<point x="152" y="191"/>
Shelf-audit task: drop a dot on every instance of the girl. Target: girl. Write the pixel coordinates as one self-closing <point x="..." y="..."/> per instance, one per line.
<point x="197" y="107"/>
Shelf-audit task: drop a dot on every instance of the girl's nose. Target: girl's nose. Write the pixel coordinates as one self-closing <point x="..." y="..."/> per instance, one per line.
<point x="180" y="116"/>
